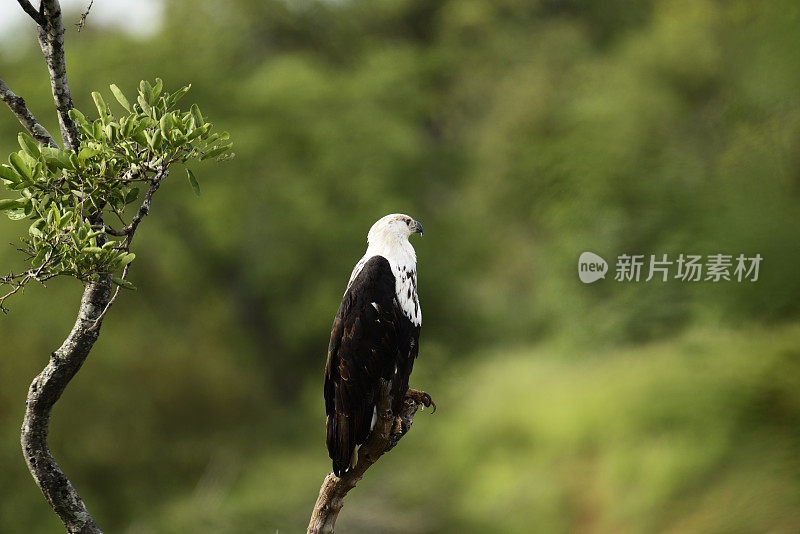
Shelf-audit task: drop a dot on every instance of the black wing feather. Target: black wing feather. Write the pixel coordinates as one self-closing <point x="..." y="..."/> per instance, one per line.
<point x="364" y="347"/>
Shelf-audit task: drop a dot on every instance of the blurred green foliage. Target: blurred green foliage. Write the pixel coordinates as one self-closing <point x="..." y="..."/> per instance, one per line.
<point x="521" y="134"/>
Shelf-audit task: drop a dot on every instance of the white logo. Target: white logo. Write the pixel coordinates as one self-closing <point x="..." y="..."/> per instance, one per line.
<point x="591" y="267"/>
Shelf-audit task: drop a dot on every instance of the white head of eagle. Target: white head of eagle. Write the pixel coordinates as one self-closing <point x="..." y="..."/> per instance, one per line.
<point x="388" y="238"/>
<point x="375" y="336"/>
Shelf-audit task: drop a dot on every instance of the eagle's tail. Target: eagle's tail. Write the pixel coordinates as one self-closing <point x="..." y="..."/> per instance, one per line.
<point x="342" y="447"/>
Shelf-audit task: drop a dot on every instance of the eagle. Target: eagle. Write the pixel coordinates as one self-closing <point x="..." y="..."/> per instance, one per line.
<point x="375" y="336"/>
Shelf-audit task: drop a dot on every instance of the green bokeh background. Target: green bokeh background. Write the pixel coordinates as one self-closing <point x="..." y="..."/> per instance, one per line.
<point x="521" y="133"/>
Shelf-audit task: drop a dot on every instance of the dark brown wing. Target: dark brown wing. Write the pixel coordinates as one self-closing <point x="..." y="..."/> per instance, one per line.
<point x="364" y="347"/>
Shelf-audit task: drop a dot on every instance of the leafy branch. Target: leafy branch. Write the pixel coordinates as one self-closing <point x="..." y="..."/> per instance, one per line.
<point x="67" y="194"/>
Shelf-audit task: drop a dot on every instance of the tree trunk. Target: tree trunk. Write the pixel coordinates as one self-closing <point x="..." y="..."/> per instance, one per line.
<point x="43" y="393"/>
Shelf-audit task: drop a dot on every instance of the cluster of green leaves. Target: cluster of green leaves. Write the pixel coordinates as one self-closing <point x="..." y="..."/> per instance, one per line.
<point x="68" y="194"/>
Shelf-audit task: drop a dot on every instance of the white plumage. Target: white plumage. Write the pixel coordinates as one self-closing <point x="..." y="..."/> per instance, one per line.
<point x="388" y="237"/>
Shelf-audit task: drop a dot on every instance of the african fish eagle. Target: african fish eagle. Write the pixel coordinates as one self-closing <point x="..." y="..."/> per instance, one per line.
<point x="375" y="336"/>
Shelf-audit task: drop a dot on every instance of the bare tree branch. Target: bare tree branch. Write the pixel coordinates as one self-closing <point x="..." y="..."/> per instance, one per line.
<point x="31" y="11"/>
<point x="381" y="440"/>
<point x="82" y="22"/>
<point x="43" y="393"/>
<point x="26" y="118"/>
<point x="98" y="321"/>
<point x="144" y="209"/>
<point x="110" y="230"/>
<point x="19" y="281"/>
<point x="51" y="40"/>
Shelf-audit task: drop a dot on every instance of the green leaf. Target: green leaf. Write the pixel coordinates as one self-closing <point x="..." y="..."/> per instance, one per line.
<point x="198" y="117"/>
<point x="157" y="87"/>
<point x="16" y="214"/>
<point x="92" y="250"/>
<point x="177" y="95"/>
<point x="120" y="97"/>
<point x="142" y="123"/>
<point x="65" y="218"/>
<point x="20" y="166"/>
<point x="126" y="259"/>
<point x="77" y="116"/>
<point x="197" y="132"/>
<point x="193" y="182"/>
<point x="146" y="91"/>
<point x="165" y="123"/>
<point x="39" y="258"/>
<point x="117" y="200"/>
<point x="36" y="228"/>
<point x="85" y="129"/>
<point x="216" y="151"/>
<point x="7" y="173"/>
<point x="145" y="105"/>
<point x="37" y="170"/>
<point x="99" y="103"/>
<point x="27" y="143"/>
<point x="123" y="283"/>
<point x="141" y="138"/>
<point x="57" y="158"/>
<point x="157" y="140"/>
<point x="129" y="123"/>
<point x="87" y="152"/>
<point x="10" y="203"/>
<point x="132" y="195"/>
<point x="111" y="131"/>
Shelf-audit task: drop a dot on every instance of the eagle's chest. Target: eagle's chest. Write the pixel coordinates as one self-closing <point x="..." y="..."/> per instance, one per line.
<point x="406" y="288"/>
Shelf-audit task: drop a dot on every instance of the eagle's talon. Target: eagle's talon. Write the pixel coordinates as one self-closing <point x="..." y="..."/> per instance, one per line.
<point x="421" y="398"/>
